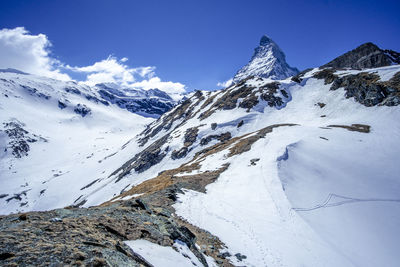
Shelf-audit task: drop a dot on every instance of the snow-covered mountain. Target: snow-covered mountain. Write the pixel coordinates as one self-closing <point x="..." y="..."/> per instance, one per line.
<point x="301" y="171"/>
<point x="268" y="61"/>
<point x="52" y="134"/>
<point x="148" y="103"/>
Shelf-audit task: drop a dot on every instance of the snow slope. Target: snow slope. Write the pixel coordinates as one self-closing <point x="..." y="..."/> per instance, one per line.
<point x="68" y="149"/>
<point x="317" y="196"/>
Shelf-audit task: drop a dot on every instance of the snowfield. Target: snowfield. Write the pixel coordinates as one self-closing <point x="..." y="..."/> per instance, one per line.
<point x="71" y="150"/>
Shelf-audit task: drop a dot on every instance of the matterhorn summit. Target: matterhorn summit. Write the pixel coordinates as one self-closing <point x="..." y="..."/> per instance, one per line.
<point x="268" y="61"/>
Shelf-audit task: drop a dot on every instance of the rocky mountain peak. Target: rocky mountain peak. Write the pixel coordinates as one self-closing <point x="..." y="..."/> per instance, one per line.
<point x="265" y="40"/>
<point x="268" y="61"/>
<point x="367" y="55"/>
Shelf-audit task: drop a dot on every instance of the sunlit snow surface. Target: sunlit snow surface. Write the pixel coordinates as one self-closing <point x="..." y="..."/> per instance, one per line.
<point x="317" y="196"/>
<point x="78" y="151"/>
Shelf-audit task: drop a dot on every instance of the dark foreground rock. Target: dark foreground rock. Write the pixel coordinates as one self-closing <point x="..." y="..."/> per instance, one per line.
<point x="19" y="139"/>
<point x="82" y="110"/>
<point x="93" y="236"/>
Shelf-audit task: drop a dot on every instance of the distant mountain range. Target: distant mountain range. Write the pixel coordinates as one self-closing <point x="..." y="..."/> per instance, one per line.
<point x="151" y="102"/>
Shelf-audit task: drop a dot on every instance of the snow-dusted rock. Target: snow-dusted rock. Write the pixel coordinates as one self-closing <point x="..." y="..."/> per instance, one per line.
<point x="268" y="61"/>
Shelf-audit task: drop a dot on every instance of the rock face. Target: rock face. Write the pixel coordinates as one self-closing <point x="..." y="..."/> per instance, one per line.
<point x="145" y="159"/>
<point x="367" y="55"/>
<point x="19" y="138"/>
<point x="248" y="97"/>
<point x="222" y="138"/>
<point x="268" y="61"/>
<point x="366" y="88"/>
<point x="82" y="110"/>
<point x="190" y="138"/>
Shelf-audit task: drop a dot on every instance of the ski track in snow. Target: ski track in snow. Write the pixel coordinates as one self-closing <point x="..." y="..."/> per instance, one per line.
<point x="348" y="200"/>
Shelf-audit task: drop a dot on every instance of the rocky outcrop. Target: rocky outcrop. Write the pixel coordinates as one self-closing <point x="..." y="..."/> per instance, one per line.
<point x="82" y="110"/>
<point x="298" y="78"/>
<point x="220" y="137"/>
<point x="34" y="92"/>
<point x="72" y="90"/>
<point x="92" y="237"/>
<point x="393" y="87"/>
<point x="178" y="115"/>
<point x="145" y="159"/>
<point x="249" y="97"/>
<point x="367" y="55"/>
<point x="365" y="88"/>
<point x="270" y="94"/>
<point x="19" y="138"/>
<point x="62" y="104"/>
<point x="181" y="153"/>
<point x="362" y="128"/>
<point x="96" y="100"/>
<point x="189" y="138"/>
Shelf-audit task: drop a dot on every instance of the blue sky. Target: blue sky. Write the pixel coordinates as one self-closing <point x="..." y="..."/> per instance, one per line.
<point x="201" y="43"/>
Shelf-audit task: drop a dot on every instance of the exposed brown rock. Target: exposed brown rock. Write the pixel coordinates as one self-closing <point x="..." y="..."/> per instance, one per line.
<point x="221" y="137"/>
<point x="362" y="128"/>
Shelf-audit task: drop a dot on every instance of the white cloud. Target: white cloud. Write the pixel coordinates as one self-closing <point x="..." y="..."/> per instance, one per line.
<point x="115" y="71"/>
<point x="172" y="88"/>
<point x="29" y="53"/>
<point x="225" y="84"/>
<point x="108" y="70"/>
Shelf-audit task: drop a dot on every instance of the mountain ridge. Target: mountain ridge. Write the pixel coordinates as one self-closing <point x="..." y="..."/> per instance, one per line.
<point x="367" y="55"/>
